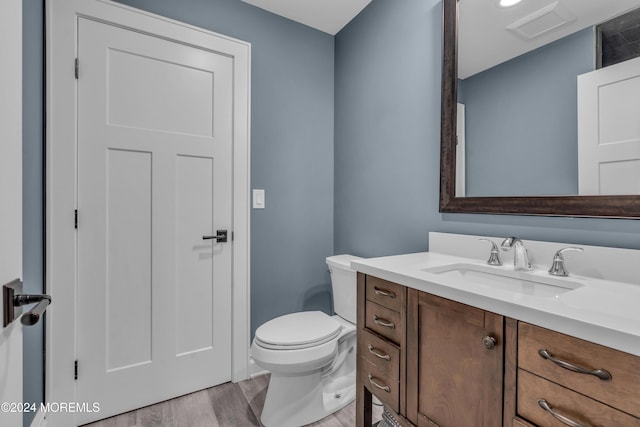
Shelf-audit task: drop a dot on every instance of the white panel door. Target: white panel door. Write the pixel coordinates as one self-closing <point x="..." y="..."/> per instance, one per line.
<point x="154" y="177"/>
<point x="10" y="203"/>
<point x="609" y="130"/>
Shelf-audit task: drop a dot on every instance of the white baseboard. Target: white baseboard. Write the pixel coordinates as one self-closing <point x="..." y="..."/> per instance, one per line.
<point x="255" y="370"/>
<point x="40" y="420"/>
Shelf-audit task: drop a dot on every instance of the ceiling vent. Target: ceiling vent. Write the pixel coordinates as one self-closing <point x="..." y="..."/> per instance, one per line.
<point x="542" y="21"/>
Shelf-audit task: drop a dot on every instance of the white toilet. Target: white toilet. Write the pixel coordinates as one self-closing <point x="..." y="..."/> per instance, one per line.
<point x="311" y="356"/>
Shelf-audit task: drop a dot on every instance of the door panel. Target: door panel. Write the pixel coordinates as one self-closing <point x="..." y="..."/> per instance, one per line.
<point x="11" y="202"/>
<point x="194" y="313"/>
<point x="154" y="176"/>
<point x="609" y="130"/>
<point x="128" y="254"/>
<point x="145" y="101"/>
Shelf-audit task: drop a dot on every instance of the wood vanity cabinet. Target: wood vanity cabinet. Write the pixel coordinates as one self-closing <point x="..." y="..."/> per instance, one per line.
<point x="605" y="393"/>
<point x="449" y="355"/>
<point x="381" y="361"/>
<point x="439" y="363"/>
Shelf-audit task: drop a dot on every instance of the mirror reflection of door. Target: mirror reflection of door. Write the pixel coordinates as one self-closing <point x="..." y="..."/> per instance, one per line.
<point x="609" y="130"/>
<point x="460" y="153"/>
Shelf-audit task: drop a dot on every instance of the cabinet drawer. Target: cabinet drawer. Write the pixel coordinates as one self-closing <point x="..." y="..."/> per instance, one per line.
<point x="564" y="402"/>
<point x="385" y="293"/>
<point x="384" y="388"/>
<point x="382" y="353"/>
<point x="621" y="391"/>
<point x="383" y="321"/>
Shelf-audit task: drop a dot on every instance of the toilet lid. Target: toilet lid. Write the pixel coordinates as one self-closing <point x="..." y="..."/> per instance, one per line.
<point x="298" y="330"/>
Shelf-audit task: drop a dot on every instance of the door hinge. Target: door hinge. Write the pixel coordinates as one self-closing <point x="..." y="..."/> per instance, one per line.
<point x="75" y="219"/>
<point x="76" y="67"/>
<point x="75" y="370"/>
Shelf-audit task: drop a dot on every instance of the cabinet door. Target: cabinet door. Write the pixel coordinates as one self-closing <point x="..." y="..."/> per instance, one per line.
<point x="456" y="353"/>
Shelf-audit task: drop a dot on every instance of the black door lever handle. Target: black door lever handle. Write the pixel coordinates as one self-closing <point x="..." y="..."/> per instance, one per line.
<point x="220" y="237"/>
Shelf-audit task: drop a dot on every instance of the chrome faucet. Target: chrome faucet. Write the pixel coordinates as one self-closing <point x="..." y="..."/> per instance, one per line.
<point x="494" y="257"/>
<point x="520" y="256"/>
<point x="557" y="266"/>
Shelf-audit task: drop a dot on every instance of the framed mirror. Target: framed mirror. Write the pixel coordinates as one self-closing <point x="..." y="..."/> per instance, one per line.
<point x="511" y="192"/>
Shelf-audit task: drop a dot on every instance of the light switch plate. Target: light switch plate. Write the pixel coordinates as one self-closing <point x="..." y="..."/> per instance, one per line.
<point x="258" y="198"/>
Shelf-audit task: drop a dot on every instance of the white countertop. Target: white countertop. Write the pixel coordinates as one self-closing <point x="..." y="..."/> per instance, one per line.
<point x="601" y="311"/>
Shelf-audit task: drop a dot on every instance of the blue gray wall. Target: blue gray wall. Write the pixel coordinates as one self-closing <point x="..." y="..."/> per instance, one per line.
<point x="291" y="150"/>
<point x="387" y="127"/>
<point x="526" y="110"/>
<point x="387" y="142"/>
<point x="33" y="195"/>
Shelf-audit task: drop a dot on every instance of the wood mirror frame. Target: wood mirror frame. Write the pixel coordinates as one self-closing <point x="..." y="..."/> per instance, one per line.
<point x="575" y="206"/>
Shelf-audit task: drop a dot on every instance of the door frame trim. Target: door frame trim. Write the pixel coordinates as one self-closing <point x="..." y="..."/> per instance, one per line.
<point x="61" y="186"/>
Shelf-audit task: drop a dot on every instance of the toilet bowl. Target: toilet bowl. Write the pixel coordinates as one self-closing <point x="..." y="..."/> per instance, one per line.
<point x="311" y="356"/>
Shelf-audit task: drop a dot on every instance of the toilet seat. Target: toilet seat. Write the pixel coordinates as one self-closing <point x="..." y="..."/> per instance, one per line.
<point x="297" y="331"/>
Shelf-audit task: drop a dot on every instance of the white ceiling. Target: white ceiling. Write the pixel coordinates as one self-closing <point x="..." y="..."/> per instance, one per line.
<point x="329" y="16"/>
<point x="485" y="40"/>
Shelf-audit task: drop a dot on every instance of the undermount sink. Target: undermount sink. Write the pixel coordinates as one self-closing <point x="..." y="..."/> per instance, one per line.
<point x="519" y="282"/>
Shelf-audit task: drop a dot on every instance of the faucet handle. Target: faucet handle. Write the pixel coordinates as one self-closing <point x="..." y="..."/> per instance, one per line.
<point x="508" y="243"/>
<point x="494" y="258"/>
<point x="557" y="266"/>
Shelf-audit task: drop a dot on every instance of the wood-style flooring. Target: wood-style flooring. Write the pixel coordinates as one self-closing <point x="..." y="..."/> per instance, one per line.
<point x="226" y="405"/>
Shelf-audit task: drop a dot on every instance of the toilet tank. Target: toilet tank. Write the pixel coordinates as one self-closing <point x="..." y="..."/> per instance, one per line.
<point x="344" y="284"/>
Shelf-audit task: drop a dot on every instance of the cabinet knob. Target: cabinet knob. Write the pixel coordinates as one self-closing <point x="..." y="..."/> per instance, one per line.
<point x="489" y="342"/>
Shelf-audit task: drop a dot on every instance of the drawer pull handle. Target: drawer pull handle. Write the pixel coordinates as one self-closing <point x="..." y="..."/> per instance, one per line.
<point x="376" y="353"/>
<point x="375" y="384"/>
<point x="383" y="322"/>
<point x="603" y="374"/>
<point x="562" y="418"/>
<point x="384" y="292"/>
